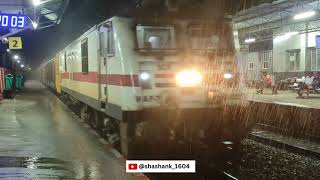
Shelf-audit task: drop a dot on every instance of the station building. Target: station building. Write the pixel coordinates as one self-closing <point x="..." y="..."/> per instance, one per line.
<point x="279" y="38"/>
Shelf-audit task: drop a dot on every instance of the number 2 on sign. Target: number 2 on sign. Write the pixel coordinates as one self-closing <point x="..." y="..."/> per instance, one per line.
<point x="15" y="43"/>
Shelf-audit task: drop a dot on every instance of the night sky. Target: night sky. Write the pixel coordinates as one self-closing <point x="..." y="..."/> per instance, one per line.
<point x="80" y="16"/>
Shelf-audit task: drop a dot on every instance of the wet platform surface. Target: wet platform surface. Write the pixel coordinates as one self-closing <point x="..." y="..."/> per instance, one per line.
<point x="41" y="139"/>
<point x="285" y="98"/>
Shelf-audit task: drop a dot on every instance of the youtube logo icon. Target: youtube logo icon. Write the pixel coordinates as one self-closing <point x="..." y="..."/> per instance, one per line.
<point x="132" y="166"/>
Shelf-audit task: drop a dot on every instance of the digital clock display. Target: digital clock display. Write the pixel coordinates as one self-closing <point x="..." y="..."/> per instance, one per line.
<point x="12" y="21"/>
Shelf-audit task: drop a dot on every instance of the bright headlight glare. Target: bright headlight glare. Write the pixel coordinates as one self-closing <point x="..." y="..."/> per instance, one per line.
<point x="227" y="76"/>
<point x="189" y="78"/>
<point x="144" y="76"/>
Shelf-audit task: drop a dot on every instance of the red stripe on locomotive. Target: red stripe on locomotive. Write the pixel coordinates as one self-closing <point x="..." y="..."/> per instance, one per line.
<point x="164" y="76"/>
<point x="110" y="79"/>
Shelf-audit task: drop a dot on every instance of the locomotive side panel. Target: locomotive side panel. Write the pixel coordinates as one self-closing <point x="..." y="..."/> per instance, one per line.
<point x="80" y="69"/>
<point x="122" y="68"/>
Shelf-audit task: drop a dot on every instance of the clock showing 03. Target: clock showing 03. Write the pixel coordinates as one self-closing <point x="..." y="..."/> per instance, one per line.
<point x="12" y="21"/>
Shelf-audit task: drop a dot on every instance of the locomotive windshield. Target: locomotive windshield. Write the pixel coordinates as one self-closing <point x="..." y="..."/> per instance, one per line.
<point x="155" y="38"/>
<point x="203" y="38"/>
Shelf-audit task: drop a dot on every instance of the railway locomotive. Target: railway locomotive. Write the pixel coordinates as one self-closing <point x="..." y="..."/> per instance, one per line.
<point x="157" y="87"/>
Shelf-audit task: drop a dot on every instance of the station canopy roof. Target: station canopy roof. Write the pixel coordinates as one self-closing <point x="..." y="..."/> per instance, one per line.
<point x="264" y="20"/>
<point x="43" y="13"/>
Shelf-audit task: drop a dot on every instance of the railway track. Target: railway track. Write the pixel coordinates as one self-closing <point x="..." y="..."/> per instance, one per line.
<point x="278" y="143"/>
<point x="229" y="176"/>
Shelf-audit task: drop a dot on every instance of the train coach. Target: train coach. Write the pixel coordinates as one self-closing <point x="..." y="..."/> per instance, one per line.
<point x="2" y="81"/>
<point x="165" y="88"/>
<point x="50" y="74"/>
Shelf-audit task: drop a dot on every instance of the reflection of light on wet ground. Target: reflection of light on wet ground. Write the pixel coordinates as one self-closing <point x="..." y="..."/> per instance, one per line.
<point x="20" y="103"/>
<point x="94" y="170"/>
<point x="31" y="163"/>
<point x="33" y="168"/>
<point x="85" y="170"/>
<point x="39" y="124"/>
<point x="79" y="170"/>
<point x="227" y="142"/>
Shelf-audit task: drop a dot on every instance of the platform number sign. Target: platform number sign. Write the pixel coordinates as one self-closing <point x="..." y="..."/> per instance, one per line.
<point x="15" y="43"/>
<point x="12" y="21"/>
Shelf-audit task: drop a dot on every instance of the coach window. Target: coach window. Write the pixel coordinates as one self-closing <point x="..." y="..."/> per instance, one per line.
<point x="110" y="39"/>
<point x="65" y="62"/>
<point x="84" y="56"/>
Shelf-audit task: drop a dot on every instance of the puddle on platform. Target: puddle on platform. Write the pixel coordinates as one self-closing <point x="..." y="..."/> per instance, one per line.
<point x="29" y="162"/>
<point x="28" y="167"/>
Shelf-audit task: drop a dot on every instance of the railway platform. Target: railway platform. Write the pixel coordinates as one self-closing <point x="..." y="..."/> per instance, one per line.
<point x="286" y="114"/>
<point x="40" y="138"/>
<point x="287" y="119"/>
<point x="287" y="129"/>
<point x="284" y="98"/>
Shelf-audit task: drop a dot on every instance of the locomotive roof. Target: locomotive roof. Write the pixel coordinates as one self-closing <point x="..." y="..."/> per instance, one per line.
<point x="87" y="33"/>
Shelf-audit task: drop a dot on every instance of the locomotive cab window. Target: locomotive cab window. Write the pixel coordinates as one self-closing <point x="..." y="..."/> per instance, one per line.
<point x="107" y="40"/>
<point x="155" y="38"/>
<point x="208" y="38"/>
<point x="103" y="43"/>
<point x="84" y="56"/>
<point x="110" y="39"/>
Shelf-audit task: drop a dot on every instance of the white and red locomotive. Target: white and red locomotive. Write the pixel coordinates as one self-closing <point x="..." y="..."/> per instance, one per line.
<point x="157" y="87"/>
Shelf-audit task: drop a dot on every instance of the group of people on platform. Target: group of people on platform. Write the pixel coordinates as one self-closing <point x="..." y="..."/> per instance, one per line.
<point x="265" y="82"/>
<point x="307" y="84"/>
<point x="304" y="85"/>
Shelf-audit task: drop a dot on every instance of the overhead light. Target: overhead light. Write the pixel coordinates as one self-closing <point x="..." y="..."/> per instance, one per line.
<point x="281" y="38"/>
<point x="8" y="50"/>
<point x="285" y="36"/>
<point x="304" y="15"/>
<point x="292" y="33"/>
<point x="22" y="66"/>
<point x="5" y="40"/>
<point x="250" y="40"/>
<point x="36" y="2"/>
<point x="34" y="25"/>
<point x="18" y="61"/>
<point x="15" y="57"/>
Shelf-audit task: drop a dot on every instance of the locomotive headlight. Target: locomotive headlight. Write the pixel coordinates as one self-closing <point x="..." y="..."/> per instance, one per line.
<point x="144" y="76"/>
<point x="189" y="78"/>
<point x="227" y="76"/>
